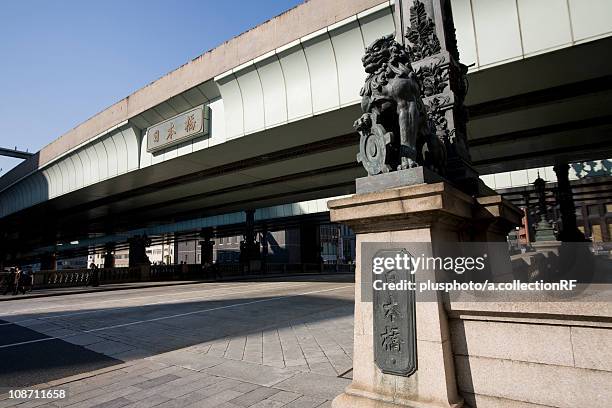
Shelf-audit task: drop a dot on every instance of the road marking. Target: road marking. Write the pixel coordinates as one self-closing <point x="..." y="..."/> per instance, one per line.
<point x="17" y="312"/>
<point x="113" y="300"/>
<point x="265" y="286"/>
<point x="116" y="326"/>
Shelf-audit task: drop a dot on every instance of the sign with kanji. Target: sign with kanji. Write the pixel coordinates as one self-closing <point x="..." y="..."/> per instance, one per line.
<point x="394" y="320"/>
<point x="178" y="129"/>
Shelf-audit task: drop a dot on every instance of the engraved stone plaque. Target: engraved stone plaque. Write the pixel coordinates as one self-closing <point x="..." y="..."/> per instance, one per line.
<point x="178" y="129"/>
<point x="394" y="318"/>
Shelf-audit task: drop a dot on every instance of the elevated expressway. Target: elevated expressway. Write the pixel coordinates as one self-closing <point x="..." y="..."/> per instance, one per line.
<point x="280" y="102"/>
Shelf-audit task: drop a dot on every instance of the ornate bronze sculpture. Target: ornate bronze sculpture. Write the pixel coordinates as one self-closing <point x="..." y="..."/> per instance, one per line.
<point x="395" y="130"/>
<point x="413" y="98"/>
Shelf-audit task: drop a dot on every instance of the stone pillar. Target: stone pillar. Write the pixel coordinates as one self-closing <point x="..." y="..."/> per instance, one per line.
<point x="109" y="255"/>
<point x="436" y="213"/>
<point x="413" y="365"/>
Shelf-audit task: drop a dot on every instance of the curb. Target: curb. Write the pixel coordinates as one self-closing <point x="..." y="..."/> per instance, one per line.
<point x="9" y="298"/>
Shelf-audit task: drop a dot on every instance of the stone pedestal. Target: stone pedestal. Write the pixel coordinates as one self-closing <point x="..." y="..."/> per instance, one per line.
<point x="419" y="213"/>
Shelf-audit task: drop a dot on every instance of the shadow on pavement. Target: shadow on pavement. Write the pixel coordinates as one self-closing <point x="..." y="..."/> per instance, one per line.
<point x="35" y="363"/>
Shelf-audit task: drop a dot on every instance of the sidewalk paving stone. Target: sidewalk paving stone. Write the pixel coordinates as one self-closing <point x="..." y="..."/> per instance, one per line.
<point x="268" y="403"/>
<point x="157" y="381"/>
<point x="314" y="385"/>
<point x="148" y="402"/>
<point x="253" y="397"/>
<point x="116" y="403"/>
<point x="249" y="372"/>
<point x="216" y="399"/>
<point x="305" y="402"/>
<point x="285" y="396"/>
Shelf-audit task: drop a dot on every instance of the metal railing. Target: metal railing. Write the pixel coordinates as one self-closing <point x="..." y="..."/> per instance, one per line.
<point x="65" y="278"/>
<point x="86" y="277"/>
<point x="174" y="272"/>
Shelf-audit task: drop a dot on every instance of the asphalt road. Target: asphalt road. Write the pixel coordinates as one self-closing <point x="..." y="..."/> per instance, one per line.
<point x="49" y="338"/>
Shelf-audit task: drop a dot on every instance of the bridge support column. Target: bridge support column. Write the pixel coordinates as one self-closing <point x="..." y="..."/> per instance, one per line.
<point x="250" y="256"/>
<point x="138" y="255"/>
<point x="3" y="250"/>
<point x="175" y="247"/>
<point x="206" y="258"/>
<point x="3" y="253"/>
<point x="48" y="262"/>
<point x="264" y="248"/>
<point x="310" y="243"/>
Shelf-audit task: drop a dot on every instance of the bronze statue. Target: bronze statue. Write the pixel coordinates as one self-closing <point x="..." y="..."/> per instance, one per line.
<point x="395" y="130"/>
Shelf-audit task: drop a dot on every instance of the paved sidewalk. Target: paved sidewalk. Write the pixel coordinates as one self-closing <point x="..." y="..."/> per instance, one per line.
<point x="189" y="379"/>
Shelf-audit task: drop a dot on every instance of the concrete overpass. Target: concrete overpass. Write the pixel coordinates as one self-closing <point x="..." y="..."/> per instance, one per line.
<point x="277" y="105"/>
<point x="18" y="154"/>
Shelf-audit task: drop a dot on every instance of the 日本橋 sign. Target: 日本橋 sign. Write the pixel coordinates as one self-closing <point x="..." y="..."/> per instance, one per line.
<point x="177" y="129"/>
<point x="394" y="319"/>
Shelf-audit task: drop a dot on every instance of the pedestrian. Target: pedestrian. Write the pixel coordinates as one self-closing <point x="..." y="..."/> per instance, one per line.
<point x="25" y="282"/>
<point x="95" y="275"/>
<point x="16" y="281"/>
<point x="216" y="271"/>
<point x="31" y="276"/>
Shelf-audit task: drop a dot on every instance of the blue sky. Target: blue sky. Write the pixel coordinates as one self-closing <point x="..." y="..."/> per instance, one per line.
<point x="64" y="61"/>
